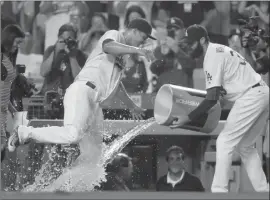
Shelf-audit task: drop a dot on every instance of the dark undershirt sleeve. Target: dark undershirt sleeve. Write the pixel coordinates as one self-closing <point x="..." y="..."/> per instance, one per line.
<point x="211" y="99"/>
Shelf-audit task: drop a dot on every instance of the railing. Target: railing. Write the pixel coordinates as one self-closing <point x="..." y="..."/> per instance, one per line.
<point x="35" y="105"/>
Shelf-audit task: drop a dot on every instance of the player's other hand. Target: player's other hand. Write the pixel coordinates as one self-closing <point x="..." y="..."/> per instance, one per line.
<point x="149" y="55"/>
<point x="178" y="123"/>
<point x="137" y="113"/>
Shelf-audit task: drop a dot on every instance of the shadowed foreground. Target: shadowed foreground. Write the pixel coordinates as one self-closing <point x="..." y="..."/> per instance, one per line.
<point x="132" y="195"/>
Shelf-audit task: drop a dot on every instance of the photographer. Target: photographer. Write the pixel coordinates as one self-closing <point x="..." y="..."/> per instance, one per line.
<point x="255" y="45"/>
<point x="62" y="61"/>
<point x="173" y="65"/>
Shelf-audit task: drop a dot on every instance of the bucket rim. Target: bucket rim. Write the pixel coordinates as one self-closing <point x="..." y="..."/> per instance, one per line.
<point x="165" y="120"/>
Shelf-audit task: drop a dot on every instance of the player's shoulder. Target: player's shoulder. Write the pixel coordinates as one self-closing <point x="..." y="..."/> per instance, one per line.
<point x="112" y="33"/>
<point x="219" y="50"/>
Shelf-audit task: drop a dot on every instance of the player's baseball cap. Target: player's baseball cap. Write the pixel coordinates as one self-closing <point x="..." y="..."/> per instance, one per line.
<point x="175" y="22"/>
<point x="195" y="33"/>
<point x="142" y="25"/>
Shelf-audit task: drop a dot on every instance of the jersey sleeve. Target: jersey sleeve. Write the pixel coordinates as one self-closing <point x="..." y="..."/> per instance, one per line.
<point x="111" y="35"/>
<point x="213" y="70"/>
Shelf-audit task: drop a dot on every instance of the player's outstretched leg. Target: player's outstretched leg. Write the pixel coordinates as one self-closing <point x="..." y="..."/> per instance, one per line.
<point x="78" y="103"/>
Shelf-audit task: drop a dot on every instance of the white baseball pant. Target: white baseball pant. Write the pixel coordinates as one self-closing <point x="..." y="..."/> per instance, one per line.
<point x="243" y="126"/>
<point x="82" y="119"/>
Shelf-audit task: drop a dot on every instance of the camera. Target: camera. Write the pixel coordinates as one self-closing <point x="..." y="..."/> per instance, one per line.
<point x="21" y="69"/>
<point x="250" y="30"/>
<point x="71" y="43"/>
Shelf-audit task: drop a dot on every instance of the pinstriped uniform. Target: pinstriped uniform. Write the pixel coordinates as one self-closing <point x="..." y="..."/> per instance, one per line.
<point x="5" y="92"/>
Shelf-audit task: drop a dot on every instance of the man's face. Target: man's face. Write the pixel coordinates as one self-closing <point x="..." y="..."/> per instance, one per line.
<point x="196" y="50"/>
<point x="179" y="34"/>
<point x="76" y="18"/>
<point x="175" y="162"/>
<point x="98" y="22"/>
<point x="137" y="37"/>
<point x="65" y="35"/>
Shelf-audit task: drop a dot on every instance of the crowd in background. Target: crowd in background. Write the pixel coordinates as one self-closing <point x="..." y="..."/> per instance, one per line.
<point x="41" y="22"/>
<point x="65" y="33"/>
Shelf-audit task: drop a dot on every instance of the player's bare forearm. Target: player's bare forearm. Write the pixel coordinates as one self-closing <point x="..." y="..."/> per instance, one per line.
<point x="117" y="49"/>
<point x="124" y="97"/>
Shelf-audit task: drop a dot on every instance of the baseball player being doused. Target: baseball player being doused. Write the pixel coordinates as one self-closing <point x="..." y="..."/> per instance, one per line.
<point x="95" y="86"/>
<point x="230" y="76"/>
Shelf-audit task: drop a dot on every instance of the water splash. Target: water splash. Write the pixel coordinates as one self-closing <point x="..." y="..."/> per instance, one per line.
<point x="83" y="175"/>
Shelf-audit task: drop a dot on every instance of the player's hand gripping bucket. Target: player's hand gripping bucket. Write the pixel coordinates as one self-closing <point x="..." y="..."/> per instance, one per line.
<point x="175" y="101"/>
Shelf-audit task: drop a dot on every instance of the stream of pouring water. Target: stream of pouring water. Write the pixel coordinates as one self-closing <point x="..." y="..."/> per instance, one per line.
<point x="85" y="176"/>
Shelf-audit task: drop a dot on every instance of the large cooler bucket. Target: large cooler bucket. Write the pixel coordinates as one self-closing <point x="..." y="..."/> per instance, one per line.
<point x="175" y="101"/>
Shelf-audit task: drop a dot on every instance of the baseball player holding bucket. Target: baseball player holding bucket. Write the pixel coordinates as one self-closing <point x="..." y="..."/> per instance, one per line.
<point x="230" y="76"/>
<point x="96" y="85"/>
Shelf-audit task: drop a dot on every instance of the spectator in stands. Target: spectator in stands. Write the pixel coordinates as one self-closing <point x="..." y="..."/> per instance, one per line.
<point x="217" y="22"/>
<point x="57" y="13"/>
<point x="11" y="38"/>
<point x="191" y="12"/>
<point x="62" y="61"/>
<point x="176" y="67"/>
<point x="177" y="179"/>
<point x="235" y="15"/>
<point x="136" y="11"/>
<point x="79" y="17"/>
<point x="52" y="15"/>
<point x="134" y="77"/>
<point x="260" y="9"/>
<point x="119" y="174"/>
<point x="98" y="28"/>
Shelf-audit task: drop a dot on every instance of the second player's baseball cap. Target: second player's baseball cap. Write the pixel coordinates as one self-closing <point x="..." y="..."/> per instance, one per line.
<point x="195" y="33"/>
<point x="143" y="26"/>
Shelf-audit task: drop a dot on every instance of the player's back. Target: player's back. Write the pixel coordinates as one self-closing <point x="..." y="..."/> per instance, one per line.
<point x="100" y="67"/>
<point x="236" y="74"/>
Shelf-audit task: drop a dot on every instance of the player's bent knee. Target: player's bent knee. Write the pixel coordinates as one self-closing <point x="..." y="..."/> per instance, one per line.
<point x="73" y="135"/>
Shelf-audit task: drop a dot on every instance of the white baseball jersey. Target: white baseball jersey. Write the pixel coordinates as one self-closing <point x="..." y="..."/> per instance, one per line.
<point x="102" y="69"/>
<point x="226" y="68"/>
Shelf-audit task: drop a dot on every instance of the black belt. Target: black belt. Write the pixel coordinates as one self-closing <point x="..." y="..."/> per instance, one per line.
<point x="91" y="85"/>
<point x="256" y="85"/>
